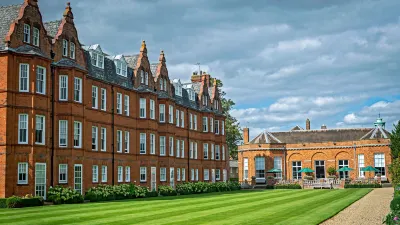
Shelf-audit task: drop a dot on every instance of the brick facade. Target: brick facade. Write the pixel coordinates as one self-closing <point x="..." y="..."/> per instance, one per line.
<point x="14" y="102"/>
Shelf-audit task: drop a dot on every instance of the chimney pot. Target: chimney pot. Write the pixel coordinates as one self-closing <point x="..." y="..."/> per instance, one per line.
<point x="308" y="124"/>
<point x="246" y="135"/>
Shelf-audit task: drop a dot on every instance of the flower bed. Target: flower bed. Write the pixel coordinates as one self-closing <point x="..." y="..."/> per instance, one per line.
<point x="63" y="195"/>
<point x="21" y="202"/>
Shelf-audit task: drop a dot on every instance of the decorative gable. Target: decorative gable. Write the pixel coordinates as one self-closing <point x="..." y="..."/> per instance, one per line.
<point x="178" y="87"/>
<point x="121" y="65"/>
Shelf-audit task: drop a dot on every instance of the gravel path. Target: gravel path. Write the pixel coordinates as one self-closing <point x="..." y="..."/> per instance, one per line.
<point x="371" y="209"/>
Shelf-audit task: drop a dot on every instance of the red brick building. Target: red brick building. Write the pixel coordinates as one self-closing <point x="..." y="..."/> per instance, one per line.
<point x="75" y="116"/>
<point x="317" y="149"/>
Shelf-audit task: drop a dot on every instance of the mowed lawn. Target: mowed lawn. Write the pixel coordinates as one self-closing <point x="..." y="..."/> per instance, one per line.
<point x="240" y="207"/>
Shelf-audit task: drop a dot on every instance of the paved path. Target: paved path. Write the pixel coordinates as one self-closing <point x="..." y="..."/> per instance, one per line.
<point x="371" y="209"/>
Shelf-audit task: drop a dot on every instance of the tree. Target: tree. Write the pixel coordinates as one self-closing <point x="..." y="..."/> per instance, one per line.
<point x="395" y="141"/>
<point x="232" y="129"/>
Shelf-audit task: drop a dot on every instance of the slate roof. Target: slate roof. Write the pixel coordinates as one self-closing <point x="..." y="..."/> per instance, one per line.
<point x="64" y="62"/>
<point x="323" y="135"/>
<point x="7" y="15"/>
<point x="131" y="60"/>
<point x="153" y="68"/>
<point x="52" y="27"/>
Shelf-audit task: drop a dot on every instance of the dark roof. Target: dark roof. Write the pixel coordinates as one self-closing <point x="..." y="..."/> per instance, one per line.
<point x="52" y="27"/>
<point x="64" y="62"/>
<point x="131" y="60"/>
<point x="323" y="135"/>
<point x="30" y="50"/>
<point x="7" y="15"/>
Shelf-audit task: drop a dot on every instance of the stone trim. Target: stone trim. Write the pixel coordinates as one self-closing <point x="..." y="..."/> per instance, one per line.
<point x="312" y="148"/>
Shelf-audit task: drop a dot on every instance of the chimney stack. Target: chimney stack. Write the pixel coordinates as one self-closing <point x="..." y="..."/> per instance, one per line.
<point x="308" y="124"/>
<point x="323" y="127"/>
<point x="246" y="135"/>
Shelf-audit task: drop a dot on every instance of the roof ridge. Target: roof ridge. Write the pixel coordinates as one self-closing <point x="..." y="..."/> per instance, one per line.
<point x="6" y="6"/>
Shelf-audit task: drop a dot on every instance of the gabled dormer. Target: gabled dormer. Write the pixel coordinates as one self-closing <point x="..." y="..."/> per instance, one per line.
<point x="96" y="55"/>
<point x="215" y="98"/>
<point x="121" y="66"/>
<point x="191" y="92"/>
<point x="161" y="74"/>
<point x="143" y="75"/>
<point x="178" y="87"/>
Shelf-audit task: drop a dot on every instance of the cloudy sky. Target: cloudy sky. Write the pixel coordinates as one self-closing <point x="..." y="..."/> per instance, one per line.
<point x="281" y="61"/>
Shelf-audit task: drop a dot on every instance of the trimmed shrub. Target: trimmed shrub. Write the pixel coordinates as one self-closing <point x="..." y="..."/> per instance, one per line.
<point x="234" y="179"/>
<point x="287" y="186"/>
<point x="395" y="204"/>
<point x="116" y="192"/>
<point x="363" y="185"/>
<point x="63" y="195"/>
<point x="14" y="202"/>
<point x="152" y="194"/>
<point x="166" y="190"/>
<point x="3" y="203"/>
<point x="270" y="187"/>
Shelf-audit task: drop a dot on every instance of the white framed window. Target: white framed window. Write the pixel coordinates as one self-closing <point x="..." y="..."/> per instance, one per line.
<point x="152" y="144"/>
<point x="120" y="174"/>
<point x="72" y="50"/>
<point x="100" y="61"/>
<point x="126" y="105"/>
<point x="23" y="129"/>
<point x="119" y="103"/>
<point x="161" y="84"/>
<point x="63" y="131"/>
<point x="23" y="173"/>
<point x="94" y="97"/>
<point x="197" y="174"/>
<point x="40" y="80"/>
<point x="217" y="152"/>
<point x="162" y="113"/>
<point x="190" y="121"/>
<point x="97" y="60"/>
<point x="177" y="117"/>
<point x="191" y="149"/>
<point x="245" y="168"/>
<point x="178" y="174"/>
<point x="165" y="84"/>
<point x="182" y="119"/>
<point x="147" y="78"/>
<point x="211" y="124"/>
<point x="127" y="173"/>
<point x="195" y="150"/>
<point x="103" y="103"/>
<point x="126" y="141"/>
<point x="223" y="152"/>
<point x="163" y="174"/>
<point x="379" y="163"/>
<point x="277" y="165"/>
<point x="143" y="174"/>
<point x="36" y="36"/>
<point x="296" y="167"/>
<point x="192" y="174"/>
<point x="217" y="174"/>
<point x="183" y="148"/>
<point x="94" y="138"/>
<point x="141" y="76"/>
<point x="195" y="122"/>
<point x="95" y="173"/>
<point x="103" y="173"/>
<point x="63" y="88"/>
<point x="206" y="174"/>
<point x="183" y="174"/>
<point x="23" y="77"/>
<point x="205" y="151"/>
<point x="212" y="151"/>
<point x="178" y="152"/>
<point x="152" y="113"/>
<point x="77" y="134"/>
<point x="142" y="108"/>
<point x="65" y="47"/>
<point x="171" y="114"/>
<point x="171" y="146"/>
<point x="77" y="89"/>
<point x="361" y="165"/>
<point x="62" y="173"/>
<point x="40" y="132"/>
<point x="205" y="124"/>
<point x="103" y="139"/>
<point x="94" y="58"/>
<point x="162" y="145"/>
<point x="216" y="127"/>
<point x="121" y="68"/>
<point x="119" y="141"/>
<point x="27" y="33"/>
<point x="223" y="127"/>
<point x="142" y="143"/>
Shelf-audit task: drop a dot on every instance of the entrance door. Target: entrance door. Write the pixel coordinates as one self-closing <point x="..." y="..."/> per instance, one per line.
<point x="40" y="180"/>
<point x="171" y="177"/>
<point x="153" y="178"/>
<point x="213" y="175"/>
<point x="78" y="178"/>
<point x="320" y="169"/>
<point x="343" y="163"/>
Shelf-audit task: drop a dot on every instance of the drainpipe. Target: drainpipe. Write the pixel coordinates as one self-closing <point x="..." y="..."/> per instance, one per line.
<point x="284" y="162"/>
<point x="355" y="160"/>
<point x="52" y="68"/>
<point x="112" y="136"/>
<point x="188" y="141"/>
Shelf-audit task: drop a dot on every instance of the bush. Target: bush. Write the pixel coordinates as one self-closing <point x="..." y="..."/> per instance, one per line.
<point x="234" y="179"/>
<point x="152" y="194"/>
<point x="395" y="204"/>
<point x="361" y="185"/>
<point x="3" y="203"/>
<point x="20" y="202"/>
<point x="287" y="186"/>
<point x="14" y="202"/>
<point x="392" y="218"/>
<point x="166" y="191"/>
<point x="270" y="187"/>
<point x="331" y="171"/>
<point x="63" y="195"/>
<point x="116" y="192"/>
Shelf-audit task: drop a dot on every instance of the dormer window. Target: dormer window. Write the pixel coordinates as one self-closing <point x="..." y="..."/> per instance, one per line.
<point x="216" y="105"/>
<point x="121" y="68"/>
<point x="97" y="56"/>
<point x="147" y="78"/>
<point x="72" y="50"/>
<point x="27" y="33"/>
<point x="165" y="84"/>
<point x="205" y="100"/>
<point x="161" y="84"/>
<point x="142" y="76"/>
<point x="191" y="94"/>
<point x="36" y="35"/>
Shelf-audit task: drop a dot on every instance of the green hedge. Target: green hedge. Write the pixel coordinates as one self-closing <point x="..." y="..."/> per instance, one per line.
<point x="362" y="186"/>
<point x="234" y="179"/>
<point x="166" y="190"/>
<point x="63" y="195"/>
<point x="21" y="202"/>
<point x="203" y="187"/>
<point x="117" y="192"/>
<point x="3" y="203"/>
<point x="287" y="186"/>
